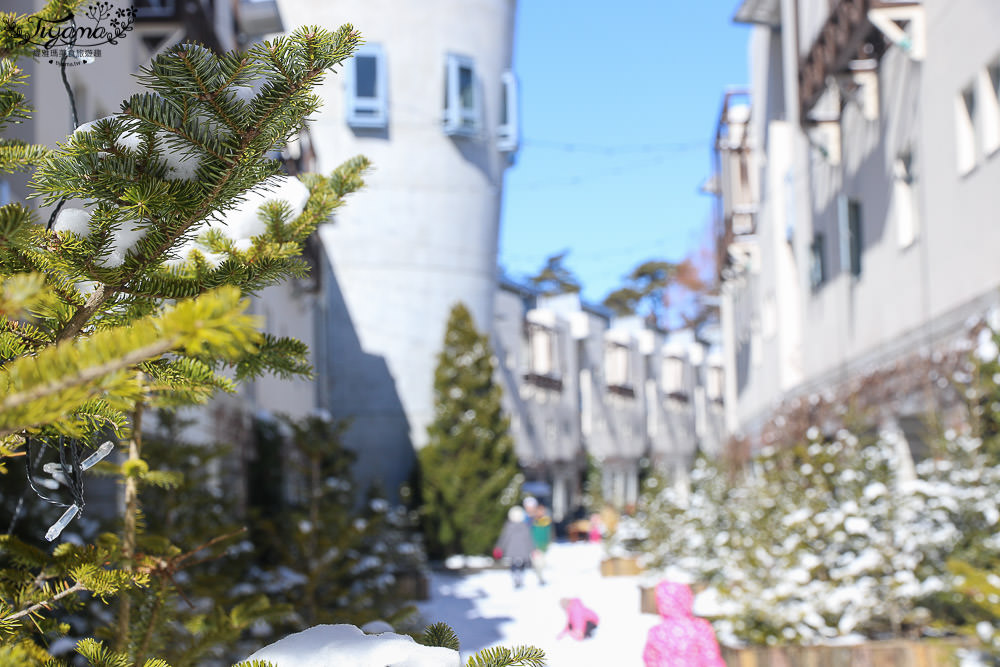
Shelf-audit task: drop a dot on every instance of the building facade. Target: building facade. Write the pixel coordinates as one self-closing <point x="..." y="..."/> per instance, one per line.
<point x="430" y="99"/>
<point x="855" y="199"/>
<point x="580" y="383"/>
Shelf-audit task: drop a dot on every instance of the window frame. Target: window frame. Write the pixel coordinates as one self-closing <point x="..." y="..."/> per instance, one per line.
<point x="459" y="119"/>
<point x="714" y="383"/>
<point x="904" y="192"/>
<point x="368" y="112"/>
<point x="672" y="372"/>
<point x="509" y="128"/>
<point x="817" y="261"/>
<point x="618" y="365"/>
<point x="855" y="237"/>
<point x="989" y="107"/>
<point x="543" y="351"/>
<point x="966" y="152"/>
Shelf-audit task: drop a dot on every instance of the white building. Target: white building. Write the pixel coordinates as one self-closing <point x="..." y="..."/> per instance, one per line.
<point x="431" y="101"/>
<point x="857" y="187"/>
<point x="579" y="382"/>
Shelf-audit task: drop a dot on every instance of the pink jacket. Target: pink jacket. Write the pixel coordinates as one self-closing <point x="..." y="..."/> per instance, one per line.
<point x="680" y="639"/>
<point x="577" y="616"/>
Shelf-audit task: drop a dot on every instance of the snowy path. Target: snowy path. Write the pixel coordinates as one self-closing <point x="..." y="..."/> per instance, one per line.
<point x="486" y="610"/>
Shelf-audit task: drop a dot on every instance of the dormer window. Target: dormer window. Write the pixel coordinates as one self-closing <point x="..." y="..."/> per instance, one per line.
<point x="543" y="359"/>
<point x="673" y="378"/>
<point x="617" y="369"/>
<point x="367" y="88"/>
<point x="509" y="131"/>
<point x="462" y="107"/>
<point x="714" y="384"/>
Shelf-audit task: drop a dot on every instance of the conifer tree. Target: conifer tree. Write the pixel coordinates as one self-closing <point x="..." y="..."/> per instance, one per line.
<point x="468" y="475"/>
<point x="135" y="299"/>
<point x="555" y="278"/>
<point x="334" y="561"/>
<point x="647" y="290"/>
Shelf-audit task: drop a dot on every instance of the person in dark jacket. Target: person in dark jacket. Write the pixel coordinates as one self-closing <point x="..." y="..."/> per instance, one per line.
<point x="516" y="544"/>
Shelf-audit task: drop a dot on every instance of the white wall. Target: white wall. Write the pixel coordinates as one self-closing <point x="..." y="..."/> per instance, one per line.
<point x="423" y="234"/>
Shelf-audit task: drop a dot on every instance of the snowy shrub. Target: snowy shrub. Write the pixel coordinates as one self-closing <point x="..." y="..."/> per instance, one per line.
<point x="825" y="540"/>
<point x="437" y="646"/>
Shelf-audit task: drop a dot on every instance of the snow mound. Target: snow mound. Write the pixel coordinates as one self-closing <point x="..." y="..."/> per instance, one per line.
<point x="122" y="243"/>
<point x="75" y="220"/>
<point x="349" y="646"/>
<point x="243" y="222"/>
<point x="181" y="166"/>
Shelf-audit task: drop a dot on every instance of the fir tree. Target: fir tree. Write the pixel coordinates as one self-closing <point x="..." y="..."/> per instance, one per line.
<point x="468" y="469"/>
<point x="333" y="561"/>
<point x="135" y="300"/>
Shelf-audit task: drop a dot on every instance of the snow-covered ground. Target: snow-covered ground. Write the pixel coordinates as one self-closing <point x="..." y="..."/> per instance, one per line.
<point x="486" y="610"/>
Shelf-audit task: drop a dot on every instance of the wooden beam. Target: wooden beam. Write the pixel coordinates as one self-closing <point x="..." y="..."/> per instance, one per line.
<point x="846" y="30"/>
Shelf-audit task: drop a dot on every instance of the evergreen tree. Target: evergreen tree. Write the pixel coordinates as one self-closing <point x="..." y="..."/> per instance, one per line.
<point x="135" y="299"/>
<point x="468" y="475"/>
<point x="331" y="560"/>
<point x="646" y="291"/>
<point x="555" y="278"/>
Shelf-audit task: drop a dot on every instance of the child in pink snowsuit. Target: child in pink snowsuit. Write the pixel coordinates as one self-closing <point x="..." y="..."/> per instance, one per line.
<point x="680" y="639"/>
<point x="580" y="621"/>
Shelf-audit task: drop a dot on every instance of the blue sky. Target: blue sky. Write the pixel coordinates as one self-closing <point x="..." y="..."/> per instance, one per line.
<point x="618" y="109"/>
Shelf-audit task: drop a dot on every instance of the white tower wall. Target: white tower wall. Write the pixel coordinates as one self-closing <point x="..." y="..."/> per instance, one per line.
<point x="422" y="235"/>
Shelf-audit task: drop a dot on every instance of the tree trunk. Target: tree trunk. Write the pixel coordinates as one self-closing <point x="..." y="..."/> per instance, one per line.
<point x="129" y="527"/>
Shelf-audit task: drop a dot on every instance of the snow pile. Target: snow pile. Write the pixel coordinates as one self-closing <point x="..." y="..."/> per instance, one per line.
<point x="123" y="241"/>
<point x="240" y="224"/>
<point x="243" y="222"/>
<point x="74" y="220"/>
<point x="349" y="646"/>
<point x="460" y="562"/>
<point x="179" y="165"/>
<point x="485" y="609"/>
<point x="826" y="540"/>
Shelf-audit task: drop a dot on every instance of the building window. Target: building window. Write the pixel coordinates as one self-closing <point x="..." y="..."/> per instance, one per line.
<point x="904" y="200"/>
<point x="855" y="238"/>
<point x="990" y="95"/>
<point x="817" y="261"/>
<point x="367" y="89"/>
<point x="543" y="357"/>
<point x="156" y="9"/>
<point x="673" y="378"/>
<point x="462" y="108"/>
<point x="508" y="132"/>
<point x="617" y="369"/>
<point x="713" y="384"/>
<point x="965" y="130"/>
